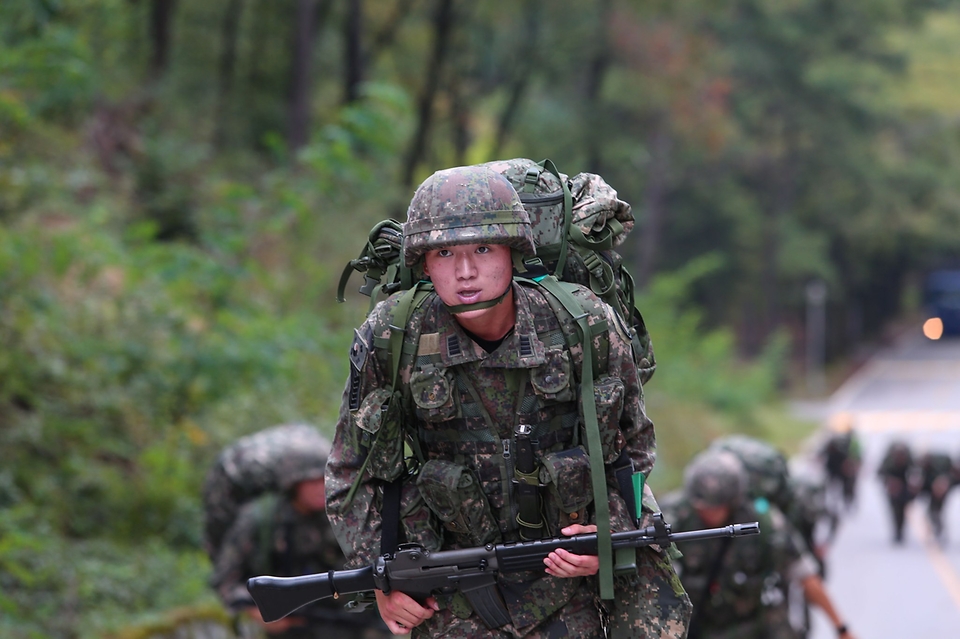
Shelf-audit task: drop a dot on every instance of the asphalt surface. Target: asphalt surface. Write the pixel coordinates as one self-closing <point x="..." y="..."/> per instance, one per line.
<point x="882" y="590"/>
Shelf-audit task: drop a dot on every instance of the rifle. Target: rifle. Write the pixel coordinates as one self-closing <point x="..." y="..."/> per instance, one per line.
<point x="419" y="572"/>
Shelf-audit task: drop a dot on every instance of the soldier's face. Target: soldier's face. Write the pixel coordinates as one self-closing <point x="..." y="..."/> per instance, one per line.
<point x="311" y="496"/>
<point x="470" y="273"/>
<point x="714" y="516"/>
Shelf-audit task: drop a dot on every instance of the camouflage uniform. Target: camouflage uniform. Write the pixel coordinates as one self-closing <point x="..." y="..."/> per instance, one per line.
<point x="464" y="406"/>
<point x="246" y="469"/>
<point x="769" y="485"/>
<point x="937" y="475"/>
<point x="270" y="536"/>
<point x="896" y="473"/>
<point x="841" y="457"/>
<point x="745" y="591"/>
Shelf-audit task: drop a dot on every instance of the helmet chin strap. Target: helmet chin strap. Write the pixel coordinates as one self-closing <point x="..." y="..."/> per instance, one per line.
<point x="456" y="309"/>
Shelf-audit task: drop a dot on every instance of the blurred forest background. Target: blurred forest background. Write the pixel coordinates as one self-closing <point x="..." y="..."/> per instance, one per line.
<point x="181" y="184"/>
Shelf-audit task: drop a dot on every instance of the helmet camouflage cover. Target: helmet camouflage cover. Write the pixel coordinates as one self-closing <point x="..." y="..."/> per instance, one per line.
<point x="714" y="478"/>
<point x="465" y="205"/>
<point x="303" y="464"/>
<point x="767" y="472"/>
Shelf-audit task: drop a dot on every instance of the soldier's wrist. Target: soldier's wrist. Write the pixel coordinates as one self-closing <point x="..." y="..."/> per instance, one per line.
<point x="842" y="629"/>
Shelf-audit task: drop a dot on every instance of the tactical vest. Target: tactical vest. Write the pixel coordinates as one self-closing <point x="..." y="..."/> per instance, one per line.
<point x="468" y="417"/>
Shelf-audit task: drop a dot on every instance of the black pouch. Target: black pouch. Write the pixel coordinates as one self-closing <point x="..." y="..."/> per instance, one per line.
<point x="566" y="474"/>
<point x="454" y="494"/>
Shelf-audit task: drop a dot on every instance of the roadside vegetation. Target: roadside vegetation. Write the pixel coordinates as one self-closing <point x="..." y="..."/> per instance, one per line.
<point x="172" y="235"/>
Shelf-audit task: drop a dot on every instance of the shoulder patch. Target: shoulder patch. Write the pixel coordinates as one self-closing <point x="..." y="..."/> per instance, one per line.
<point x="429" y="345"/>
<point x="358" y="351"/>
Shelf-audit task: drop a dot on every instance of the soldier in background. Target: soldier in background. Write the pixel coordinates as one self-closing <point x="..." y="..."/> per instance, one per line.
<point x="287" y="534"/>
<point x="937" y="477"/>
<point x="736" y="586"/>
<point x="899" y="482"/>
<point x="842" y="458"/>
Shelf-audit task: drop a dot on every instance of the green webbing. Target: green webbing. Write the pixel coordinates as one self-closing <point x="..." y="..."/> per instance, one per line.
<point x="594" y="447"/>
<point x="567" y="216"/>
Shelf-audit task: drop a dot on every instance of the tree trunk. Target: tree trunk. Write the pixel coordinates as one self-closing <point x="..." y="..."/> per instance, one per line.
<point x="298" y="131"/>
<point x="161" y="18"/>
<point x="527" y="62"/>
<point x="385" y="37"/>
<point x="654" y="200"/>
<point x="596" y="71"/>
<point x="229" y="29"/>
<point x="353" y="56"/>
<point x="443" y="26"/>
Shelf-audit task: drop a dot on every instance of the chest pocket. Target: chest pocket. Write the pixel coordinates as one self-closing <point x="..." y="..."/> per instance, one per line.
<point x="433" y="390"/>
<point x="552" y="380"/>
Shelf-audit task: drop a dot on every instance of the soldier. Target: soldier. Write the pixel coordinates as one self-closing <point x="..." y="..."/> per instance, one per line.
<point x="734" y="585"/>
<point x="899" y="483"/>
<point x="937" y="475"/>
<point x="841" y="457"/>
<point x="770" y="486"/>
<point x="288" y="535"/>
<point x="490" y="408"/>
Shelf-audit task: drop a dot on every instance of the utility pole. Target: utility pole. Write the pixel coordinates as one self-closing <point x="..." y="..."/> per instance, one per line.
<point x="816" y="336"/>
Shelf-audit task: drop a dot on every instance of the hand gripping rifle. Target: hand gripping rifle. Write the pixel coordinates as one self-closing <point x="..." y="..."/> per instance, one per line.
<point x="473" y="571"/>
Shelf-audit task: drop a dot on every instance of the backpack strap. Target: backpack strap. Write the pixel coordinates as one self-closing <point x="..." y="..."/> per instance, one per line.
<point x="567" y="211"/>
<point x="561" y="291"/>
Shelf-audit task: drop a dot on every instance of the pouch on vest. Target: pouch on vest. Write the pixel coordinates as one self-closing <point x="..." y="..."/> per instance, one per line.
<point x="433" y="393"/>
<point x="453" y="493"/>
<point x="569" y="491"/>
<point x="608" y="393"/>
<point x="379" y="419"/>
<point x="551" y="380"/>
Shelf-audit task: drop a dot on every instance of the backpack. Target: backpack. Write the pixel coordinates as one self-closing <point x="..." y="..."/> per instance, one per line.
<point x="577" y="222"/>
<point x="246" y="470"/>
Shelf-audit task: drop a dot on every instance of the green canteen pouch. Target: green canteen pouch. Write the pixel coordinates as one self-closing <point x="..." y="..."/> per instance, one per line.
<point x="566" y="474"/>
<point x="454" y="494"/>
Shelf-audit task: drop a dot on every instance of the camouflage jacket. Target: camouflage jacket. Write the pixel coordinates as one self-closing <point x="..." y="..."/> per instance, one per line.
<point x="464" y="406"/>
<point x="753" y="573"/>
<point x="270" y="537"/>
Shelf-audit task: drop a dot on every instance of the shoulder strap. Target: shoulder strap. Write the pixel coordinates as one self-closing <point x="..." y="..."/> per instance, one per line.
<point x="561" y="292"/>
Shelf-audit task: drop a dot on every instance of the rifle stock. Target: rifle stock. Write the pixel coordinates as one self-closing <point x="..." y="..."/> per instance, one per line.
<point x="419" y="572"/>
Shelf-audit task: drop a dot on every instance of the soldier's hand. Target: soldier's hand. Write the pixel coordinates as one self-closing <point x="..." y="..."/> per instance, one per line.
<point x="402" y="613"/>
<point x="563" y="563"/>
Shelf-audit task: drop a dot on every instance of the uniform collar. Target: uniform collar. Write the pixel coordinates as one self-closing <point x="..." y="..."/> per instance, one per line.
<point x="521" y="349"/>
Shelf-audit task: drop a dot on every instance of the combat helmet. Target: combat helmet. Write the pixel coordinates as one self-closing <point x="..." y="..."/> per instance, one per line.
<point x="715" y="478"/>
<point x="767" y="471"/>
<point x="465" y="205"/>
<point x="303" y="464"/>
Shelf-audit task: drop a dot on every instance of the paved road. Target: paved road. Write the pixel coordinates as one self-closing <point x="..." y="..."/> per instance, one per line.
<point x="885" y="591"/>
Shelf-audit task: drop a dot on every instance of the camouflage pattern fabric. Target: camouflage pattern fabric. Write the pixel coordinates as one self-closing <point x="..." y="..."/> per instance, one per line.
<point x="746" y="599"/>
<point x="465" y="205"/>
<point x="463" y="405"/>
<point x="895" y="472"/>
<point x="271" y="537"/>
<point x="246" y="469"/>
<point x="765" y="465"/>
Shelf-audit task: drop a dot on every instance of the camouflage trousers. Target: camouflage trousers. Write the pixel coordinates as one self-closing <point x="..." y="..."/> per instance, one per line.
<point x="650" y="604"/>
<point x="578" y="618"/>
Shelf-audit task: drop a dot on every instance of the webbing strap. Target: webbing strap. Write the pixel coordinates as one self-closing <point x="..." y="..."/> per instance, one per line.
<point x="592" y="426"/>
<point x="567" y="215"/>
